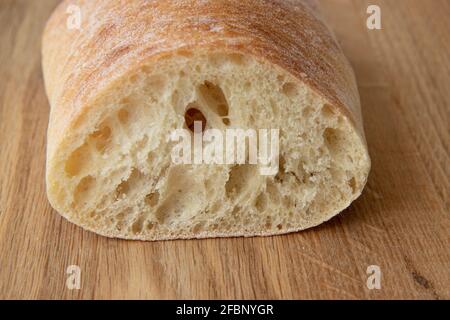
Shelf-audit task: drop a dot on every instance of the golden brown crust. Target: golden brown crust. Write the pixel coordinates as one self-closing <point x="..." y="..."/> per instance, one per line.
<point x="118" y="36"/>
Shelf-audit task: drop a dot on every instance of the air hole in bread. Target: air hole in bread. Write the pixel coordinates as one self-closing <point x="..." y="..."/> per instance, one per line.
<point x="289" y="89"/>
<point x="119" y="225"/>
<point x="274" y="107"/>
<point x="192" y="115"/>
<point x="272" y="191"/>
<point x="152" y="199"/>
<point x="83" y="189"/>
<point x="123" y="219"/>
<point x="214" y="98"/>
<point x="198" y="227"/>
<point x="138" y="225"/>
<point x="328" y="111"/>
<point x="101" y="138"/>
<point x="331" y="138"/>
<point x="268" y="224"/>
<point x="123" y="116"/>
<point x="129" y="185"/>
<point x="261" y="202"/>
<point x="307" y="111"/>
<point x="176" y="200"/>
<point x="352" y="184"/>
<point x="237" y="58"/>
<point x="252" y="119"/>
<point x="240" y="179"/>
<point x="77" y="160"/>
<point x="279" y="177"/>
<point x="236" y="212"/>
<point x="223" y="61"/>
<point x="122" y="189"/>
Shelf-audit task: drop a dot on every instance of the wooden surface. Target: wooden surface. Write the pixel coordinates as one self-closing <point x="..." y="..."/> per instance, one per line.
<point x="401" y="223"/>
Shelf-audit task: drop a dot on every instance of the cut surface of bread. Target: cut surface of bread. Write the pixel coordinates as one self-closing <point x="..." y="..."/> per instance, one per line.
<point x="109" y="163"/>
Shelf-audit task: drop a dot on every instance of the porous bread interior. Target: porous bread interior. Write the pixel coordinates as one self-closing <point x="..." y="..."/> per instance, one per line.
<point x="115" y="175"/>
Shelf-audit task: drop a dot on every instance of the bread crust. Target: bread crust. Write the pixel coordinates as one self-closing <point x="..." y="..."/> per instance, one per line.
<point x="79" y="64"/>
<point x="117" y="37"/>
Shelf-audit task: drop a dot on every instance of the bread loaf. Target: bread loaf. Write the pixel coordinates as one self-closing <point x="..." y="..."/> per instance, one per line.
<point x="136" y="70"/>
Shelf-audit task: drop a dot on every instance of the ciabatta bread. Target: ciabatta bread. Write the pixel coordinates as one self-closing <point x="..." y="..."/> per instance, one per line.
<point x="122" y="82"/>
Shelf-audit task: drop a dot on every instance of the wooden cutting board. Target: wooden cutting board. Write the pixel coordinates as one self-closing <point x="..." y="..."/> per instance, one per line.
<point x="401" y="223"/>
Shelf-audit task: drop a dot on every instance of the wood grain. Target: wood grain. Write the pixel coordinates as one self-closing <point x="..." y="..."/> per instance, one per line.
<point x="401" y="222"/>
